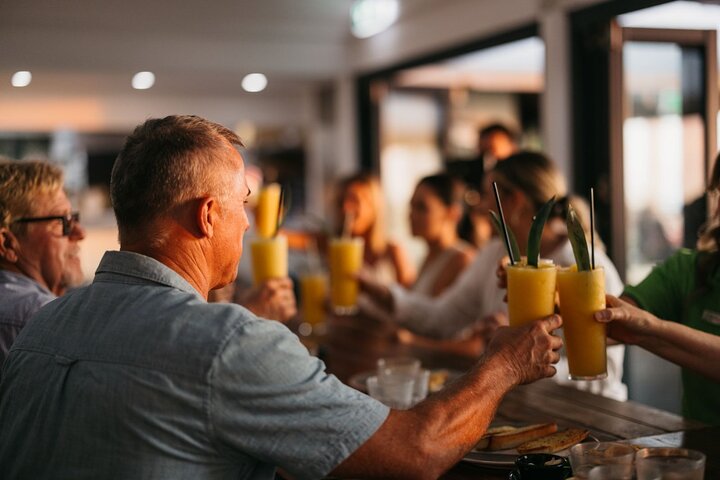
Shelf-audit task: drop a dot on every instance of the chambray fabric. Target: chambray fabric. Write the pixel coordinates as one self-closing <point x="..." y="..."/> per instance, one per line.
<point x="20" y="298"/>
<point x="136" y="376"/>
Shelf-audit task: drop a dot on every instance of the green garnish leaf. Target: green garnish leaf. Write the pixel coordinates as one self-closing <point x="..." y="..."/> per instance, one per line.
<point x="536" y="229"/>
<point x="513" y="241"/>
<point x="576" y="235"/>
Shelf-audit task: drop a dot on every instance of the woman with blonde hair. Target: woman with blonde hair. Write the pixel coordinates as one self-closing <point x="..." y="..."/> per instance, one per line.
<point x="526" y="180"/>
<point x="362" y="215"/>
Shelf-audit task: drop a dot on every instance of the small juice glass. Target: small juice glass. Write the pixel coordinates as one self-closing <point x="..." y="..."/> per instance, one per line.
<point x="531" y="291"/>
<point x="313" y="292"/>
<point x="269" y="258"/>
<point x="581" y="295"/>
<point x="346" y="256"/>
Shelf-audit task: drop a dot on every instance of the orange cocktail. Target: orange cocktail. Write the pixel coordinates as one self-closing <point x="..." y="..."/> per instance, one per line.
<point x="269" y="258"/>
<point x="267" y="210"/>
<point x="581" y="295"/>
<point x="530" y="291"/>
<point x="313" y="293"/>
<point x="346" y="257"/>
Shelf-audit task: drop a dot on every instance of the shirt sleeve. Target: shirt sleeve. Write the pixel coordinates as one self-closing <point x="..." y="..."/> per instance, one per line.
<point x="663" y="291"/>
<point x="271" y="400"/>
<point x="457" y="308"/>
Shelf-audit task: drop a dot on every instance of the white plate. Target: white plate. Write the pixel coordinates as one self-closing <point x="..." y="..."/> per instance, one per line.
<point x="505" y="459"/>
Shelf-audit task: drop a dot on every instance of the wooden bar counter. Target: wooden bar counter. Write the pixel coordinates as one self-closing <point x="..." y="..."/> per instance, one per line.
<point x="353" y="344"/>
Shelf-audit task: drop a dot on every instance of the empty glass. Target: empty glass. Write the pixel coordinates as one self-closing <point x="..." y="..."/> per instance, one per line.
<point x="669" y="464"/>
<point x="393" y="391"/>
<point x="585" y="457"/>
<point x="611" y="472"/>
<point x="398" y="366"/>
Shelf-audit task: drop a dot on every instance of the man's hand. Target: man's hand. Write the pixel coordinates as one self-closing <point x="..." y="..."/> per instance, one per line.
<point x="625" y="322"/>
<point x="273" y="299"/>
<point x="527" y="352"/>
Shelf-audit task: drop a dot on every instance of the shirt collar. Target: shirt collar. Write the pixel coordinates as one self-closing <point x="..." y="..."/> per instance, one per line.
<point x="136" y="265"/>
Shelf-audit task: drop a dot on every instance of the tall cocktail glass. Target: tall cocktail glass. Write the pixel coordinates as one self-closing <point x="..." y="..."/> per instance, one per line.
<point x="269" y="258"/>
<point x="313" y="293"/>
<point x="346" y="257"/>
<point x="582" y="293"/>
<point x="530" y="291"/>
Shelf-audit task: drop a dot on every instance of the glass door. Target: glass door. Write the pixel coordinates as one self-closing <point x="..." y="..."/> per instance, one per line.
<point x="663" y="124"/>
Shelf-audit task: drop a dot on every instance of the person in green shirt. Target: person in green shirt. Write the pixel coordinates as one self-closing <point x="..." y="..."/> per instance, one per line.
<point x="675" y="313"/>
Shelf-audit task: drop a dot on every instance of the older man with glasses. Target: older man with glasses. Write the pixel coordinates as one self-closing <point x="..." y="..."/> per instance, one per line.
<point x="39" y="238"/>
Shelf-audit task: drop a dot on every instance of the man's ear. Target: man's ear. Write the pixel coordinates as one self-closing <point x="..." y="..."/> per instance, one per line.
<point x="9" y="245"/>
<point x="207" y="216"/>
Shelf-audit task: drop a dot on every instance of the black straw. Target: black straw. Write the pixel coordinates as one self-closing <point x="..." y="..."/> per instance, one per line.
<point x="504" y="226"/>
<point x="592" y="227"/>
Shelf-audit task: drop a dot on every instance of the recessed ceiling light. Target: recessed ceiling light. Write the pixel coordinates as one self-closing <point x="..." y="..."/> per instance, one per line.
<point x="21" y="79"/>
<point x="143" y="80"/>
<point x="254" y="82"/>
<point x="370" y="17"/>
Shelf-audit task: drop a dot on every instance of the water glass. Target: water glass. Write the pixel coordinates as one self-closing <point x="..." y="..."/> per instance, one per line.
<point x="395" y="392"/>
<point x="408" y="366"/>
<point x="611" y="472"/>
<point x="585" y="457"/>
<point x="669" y="464"/>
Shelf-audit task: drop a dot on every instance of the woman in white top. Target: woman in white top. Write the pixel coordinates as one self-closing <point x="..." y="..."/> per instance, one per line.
<point x="435" y="210"/>
<point x="525" y="181"/>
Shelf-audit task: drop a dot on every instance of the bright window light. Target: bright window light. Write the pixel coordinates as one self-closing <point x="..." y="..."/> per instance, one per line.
<point x="143" y="80"/>
<point x="21" y="79"/>
<point x="254" y="82"/>
<point x="370" y="17"/>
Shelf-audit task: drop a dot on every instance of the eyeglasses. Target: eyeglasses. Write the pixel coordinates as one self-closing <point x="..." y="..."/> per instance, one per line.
<point x="68" y="221"/>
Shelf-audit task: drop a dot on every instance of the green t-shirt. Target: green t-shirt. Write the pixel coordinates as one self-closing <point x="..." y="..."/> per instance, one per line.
<point x="667" y="293"/>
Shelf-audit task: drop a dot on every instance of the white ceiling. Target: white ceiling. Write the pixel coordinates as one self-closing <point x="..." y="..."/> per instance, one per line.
<point x="192" y="46"/>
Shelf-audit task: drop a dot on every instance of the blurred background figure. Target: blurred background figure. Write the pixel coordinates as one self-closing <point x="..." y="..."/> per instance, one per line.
<point x="39" y="243"/>
<point x="496" y="142"/>
<point x="435" y="210"/>
<point x="362" y="207"/>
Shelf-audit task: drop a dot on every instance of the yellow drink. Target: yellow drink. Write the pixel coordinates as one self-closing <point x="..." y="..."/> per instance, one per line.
<point x="346" y="257"/>
<point x="581" y="295"/>
<point x="269" y="258"/>
<point x="531" y="292"/>
<point x="266" y="213"/>
<point x="313" y="292"/>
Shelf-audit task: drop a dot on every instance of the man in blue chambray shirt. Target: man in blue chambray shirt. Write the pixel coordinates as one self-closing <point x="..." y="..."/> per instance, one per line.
<point x="137" y="376"/>
<point x="39" y="243"/>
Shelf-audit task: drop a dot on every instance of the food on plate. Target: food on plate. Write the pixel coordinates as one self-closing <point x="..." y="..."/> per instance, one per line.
<point x="513" y="438"/>
<point x="437" y="380"/>
<point x="555" y="442"/>
<point x="485" y="440"/>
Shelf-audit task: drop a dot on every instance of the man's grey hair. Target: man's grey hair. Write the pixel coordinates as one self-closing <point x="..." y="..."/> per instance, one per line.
<point x="164" y="163"/>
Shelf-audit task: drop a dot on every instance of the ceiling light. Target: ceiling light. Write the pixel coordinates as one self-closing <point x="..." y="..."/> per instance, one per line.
<point x="254" y="82"/>
<point x="370" y="17"/>
<point x="143" y="80"/>
<point x="21" y="79"/>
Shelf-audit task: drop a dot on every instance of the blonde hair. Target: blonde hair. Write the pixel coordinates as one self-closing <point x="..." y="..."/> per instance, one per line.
<point x="20" y="184"/>
<point x="377" y="242"/>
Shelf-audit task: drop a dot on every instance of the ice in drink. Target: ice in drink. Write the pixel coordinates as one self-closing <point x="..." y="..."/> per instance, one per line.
<point x="531" y="292"/>
<point x="582" y="293"/>
<point x="269" y="258"/>
<point x="346" y="256"/>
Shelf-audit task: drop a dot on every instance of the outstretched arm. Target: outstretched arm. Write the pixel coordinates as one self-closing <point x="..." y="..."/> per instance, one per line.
<point x="428" y="439"/>
<point x="680" y="344"/>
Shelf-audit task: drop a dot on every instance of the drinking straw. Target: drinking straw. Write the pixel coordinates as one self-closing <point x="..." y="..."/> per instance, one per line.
<point x="280" y="212"/>
<point x="504" y="225"/>
<point x="592" y="228"/>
